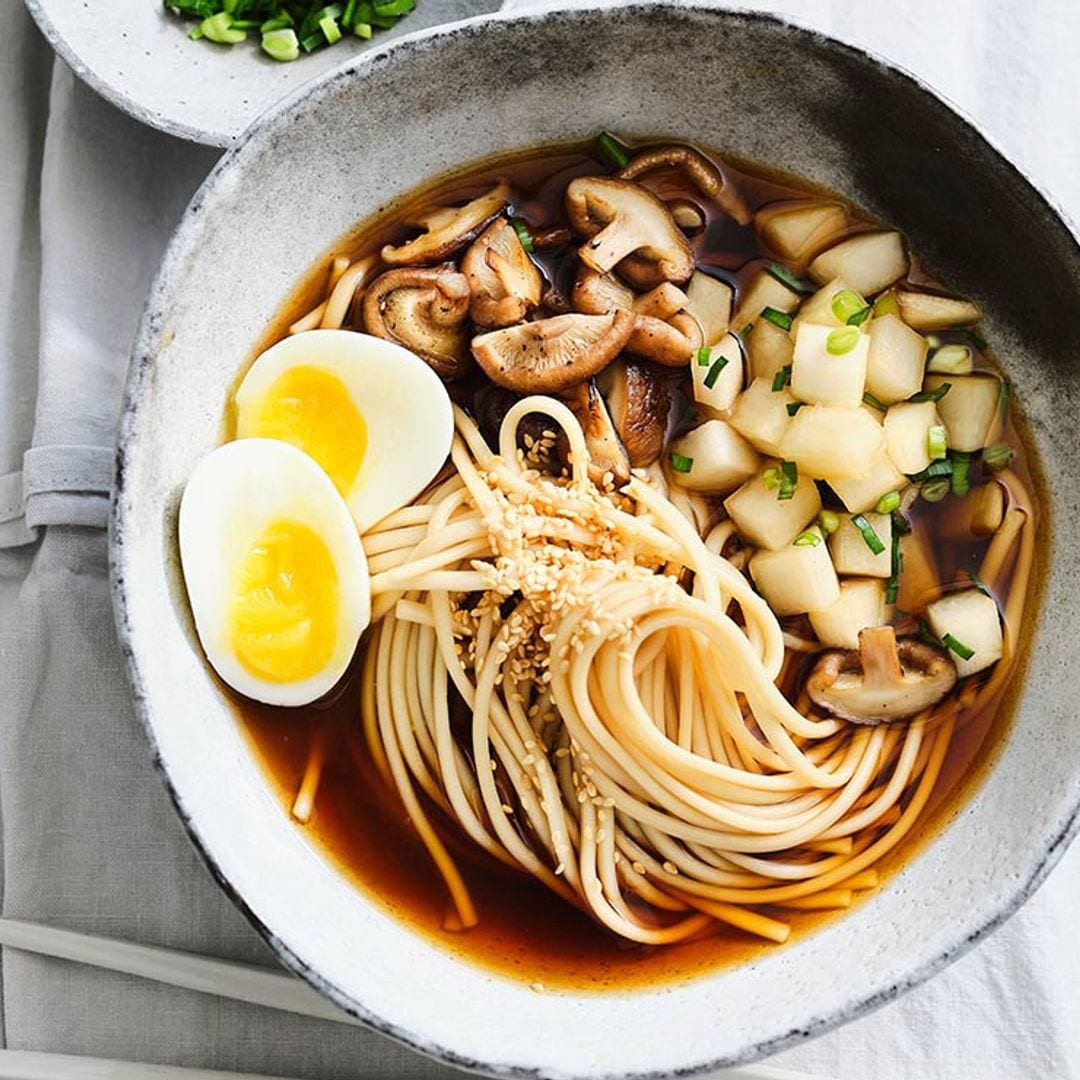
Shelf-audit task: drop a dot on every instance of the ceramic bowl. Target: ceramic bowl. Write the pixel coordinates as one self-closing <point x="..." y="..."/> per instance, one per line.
<point x="749" y="85"/>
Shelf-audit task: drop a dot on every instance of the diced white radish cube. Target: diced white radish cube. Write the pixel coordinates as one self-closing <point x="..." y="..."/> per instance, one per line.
<point x="829" y="365"/>
<point x="971" y="621"/>
<point x="919" y="579"/>
<point x="850" y="552"/>
<point x="862" y="493"/>
<point x="762" y="291"/>
<point x="970" y="410"/>
<point x="797" y="578"/>
<point x="798" y="229"/>
<point x="897" y="360"/>
<point x="870" y="261"/>
<point x="709" y="301"/>
<point x="718" y="378"/>
<point x="768" y="349"/>
<point x="907" y="434"/>
<point x="722" y="458"/>
<point x="861" y="605"/>
<point x="767" y="521"/>
<point x="925" y="311"/>
<point x="819" y="307"/>
<point x="830" y="443"/>
<point x="760" y="415"/>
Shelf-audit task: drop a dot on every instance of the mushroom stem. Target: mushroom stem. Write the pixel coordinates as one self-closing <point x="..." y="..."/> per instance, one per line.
<point x="609" y="246"/>
<point x="879" y="656"/>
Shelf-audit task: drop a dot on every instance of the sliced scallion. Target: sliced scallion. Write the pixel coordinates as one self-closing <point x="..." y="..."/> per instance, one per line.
<point x="703" y="355"/>
<point x="781" y="379"/>
<point x="282" y="44"/>
<point x="861" y="316"/>
<point x="794" y="406"/>
<point x="841" y="342"/>
<point x="888" y="502"/>
<point x="896" y="565"/>
<point x="951" y="360"/>
<point x="935" y="490"/>
<point x="770" y="477"/>
<point x="789" y="480"/>
<point x="961" y="475"/>
<point x="957" y="647"/>
<point x="394" y="8"/>
<point x="714" y="372"/>
<point x="786" y="277"/>
<point x="873" y="402"/>
<point x="807" y="539"/>
<point x="933" y="470"/>
<point x="873" y="541"/>
<point x="612" y="150"/>
<point x="998" y="456"/>
<point x="829" y="522"/>
<point x="846" y="303"/>
<point x="932" y="395"/>
<point x="279" y="22"/>
<point x="777" y="318"/>
<point x="681" y="463"/>
<point x="523" y="235"/>
<point x="887" y="304"/>
<point x="330" y="30"/>
<point x="744" y="333"/>
<point x="220" y="28"/>
<point x="936" y="445"/>
<point x="363" y="30"/>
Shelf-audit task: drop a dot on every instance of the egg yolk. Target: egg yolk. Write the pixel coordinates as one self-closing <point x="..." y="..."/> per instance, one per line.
<point x="312" y="409"/>
<point x="284" y="611"/>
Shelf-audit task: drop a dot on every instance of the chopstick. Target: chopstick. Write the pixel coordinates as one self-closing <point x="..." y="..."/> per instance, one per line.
<point x="207" y="975"/>
<point x="31" y="1065"/>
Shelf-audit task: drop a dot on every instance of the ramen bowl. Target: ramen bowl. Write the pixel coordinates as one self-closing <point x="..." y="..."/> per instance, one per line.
<point x="336" y="153"/>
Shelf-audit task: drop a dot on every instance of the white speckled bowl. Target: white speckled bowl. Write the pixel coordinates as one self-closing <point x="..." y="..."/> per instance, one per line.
<point x="762" y="90"/>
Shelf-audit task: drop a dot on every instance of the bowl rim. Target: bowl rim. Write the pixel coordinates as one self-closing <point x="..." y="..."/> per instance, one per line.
<point x="148" y="341"/>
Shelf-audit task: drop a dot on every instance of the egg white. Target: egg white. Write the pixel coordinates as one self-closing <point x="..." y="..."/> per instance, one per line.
<point x="234" y="494"/>
<point x="405" y="407"/>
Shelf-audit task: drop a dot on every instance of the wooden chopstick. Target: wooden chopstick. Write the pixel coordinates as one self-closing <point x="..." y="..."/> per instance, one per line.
<point x="208" y="975"/>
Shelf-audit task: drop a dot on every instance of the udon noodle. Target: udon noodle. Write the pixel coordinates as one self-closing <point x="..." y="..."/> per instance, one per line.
<point x="628" y="744"/>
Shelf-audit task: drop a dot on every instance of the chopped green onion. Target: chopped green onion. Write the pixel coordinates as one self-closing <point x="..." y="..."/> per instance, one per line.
<point x="900" y="524"/>
<point x="282" y="45"/>
<point x="714" y="372"/>
<point x="935" y="490"/>
<point x="777" y="318"/>
<point x="394" y="8"/>
<point x="794" y="406"/>
<point x="998" y="456"/>
<point x="781" y="379"/>
<point x="770" y="477"/>
<point x="951" y="360"/>
<point x="846" y="303"/>
<point x="957" y="647"/>
<point x="873" y="541"/>
<point x="969" y="335"/>
<point x="744" y="333"/>
<point x="961" y="475"/>
<point x="348" y="17"/>
<point x="981" y="585"/>
<point x="786" y="277"/>
<point x="861" y="316"/>
<point x="932" y="395"/>
<point x="789" y="479"/>
<point x="611" y="149"/>
<point x="362" y="30"/>
<point x="681" y="464"/>
<point x="704" y="354"/>
<point x="873" y="402"/>
<point x="331" y="30"/>
<point x="934" y="469"/>
<point x="279" y="22"/>
<point x="311" y="42"/>
<point x="887" y="304"/>
<point x="195" y="33"/>
<point x="219" y="28"/>
<point x="888" y="502"/>
<point x="896" y="564"/>
<point x="842" y="341"/>
<point x="807" y="539"/>
<point x="829" y="522"/>
<point x="936" y="445"/>
<point x="523" y="235"/>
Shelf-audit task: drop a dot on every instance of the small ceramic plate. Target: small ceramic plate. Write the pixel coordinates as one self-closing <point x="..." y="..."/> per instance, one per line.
<point x="138" y="56"/>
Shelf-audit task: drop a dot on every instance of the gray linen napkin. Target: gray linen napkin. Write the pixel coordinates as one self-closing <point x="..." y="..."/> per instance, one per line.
<point x="89" y="839"/>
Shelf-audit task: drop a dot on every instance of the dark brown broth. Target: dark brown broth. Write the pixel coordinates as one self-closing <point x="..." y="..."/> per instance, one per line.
<point x="526" y="932"/>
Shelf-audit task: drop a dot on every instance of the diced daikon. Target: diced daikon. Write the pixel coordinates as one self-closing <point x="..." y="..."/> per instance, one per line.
<point x="722" y="458"/>
<point x="925" y="311"/>
<point x="850" y="552"/>
<point x="709" y="301"/>
<point x="970" y="409"/>
<point x="768" y="349"/>
<point x="821" y="374"/>
<point x="767" y="521"/>
<point x="907" y="434"/>
<point x="819" y="307"/>
<point x="762" y="291"/>
<point x="971" y="620"/>
<point x="797" y="578"/>
<point x="717" y="387"/>
<point x="897" y="360"/>
<point x="861" y="605"/>
<point x="761" y="417"/>
<point x="862" y="493"/>
<point x="832" y="443"/>
<point x="870" y="261"/>
<point x="798" y="229"/>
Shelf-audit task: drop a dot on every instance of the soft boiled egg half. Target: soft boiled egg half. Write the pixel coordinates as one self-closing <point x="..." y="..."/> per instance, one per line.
<point x="275" y="571"/>
<point x="372" y="414"/>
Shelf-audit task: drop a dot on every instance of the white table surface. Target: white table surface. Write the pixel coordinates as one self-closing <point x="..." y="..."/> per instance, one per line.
<point x="89" y="841"/>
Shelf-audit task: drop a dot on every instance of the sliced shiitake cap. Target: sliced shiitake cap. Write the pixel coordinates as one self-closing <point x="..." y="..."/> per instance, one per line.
<point x="638" y="400"/>
<point x="608" y="460"/>
<point x="505" y="282"/>
<point x="701" y="172"/>
<point x="447" y="229"/>
<point x="623" y="221"/>
<point x="423" y="308"/>
<point x="884" y="679"/>
<point x="662" y="302"/>
<point x="654" y="339"/>
<point x="597" y="294"/>
<point x="552" y="355"/>
<point x="687" y="215"/>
